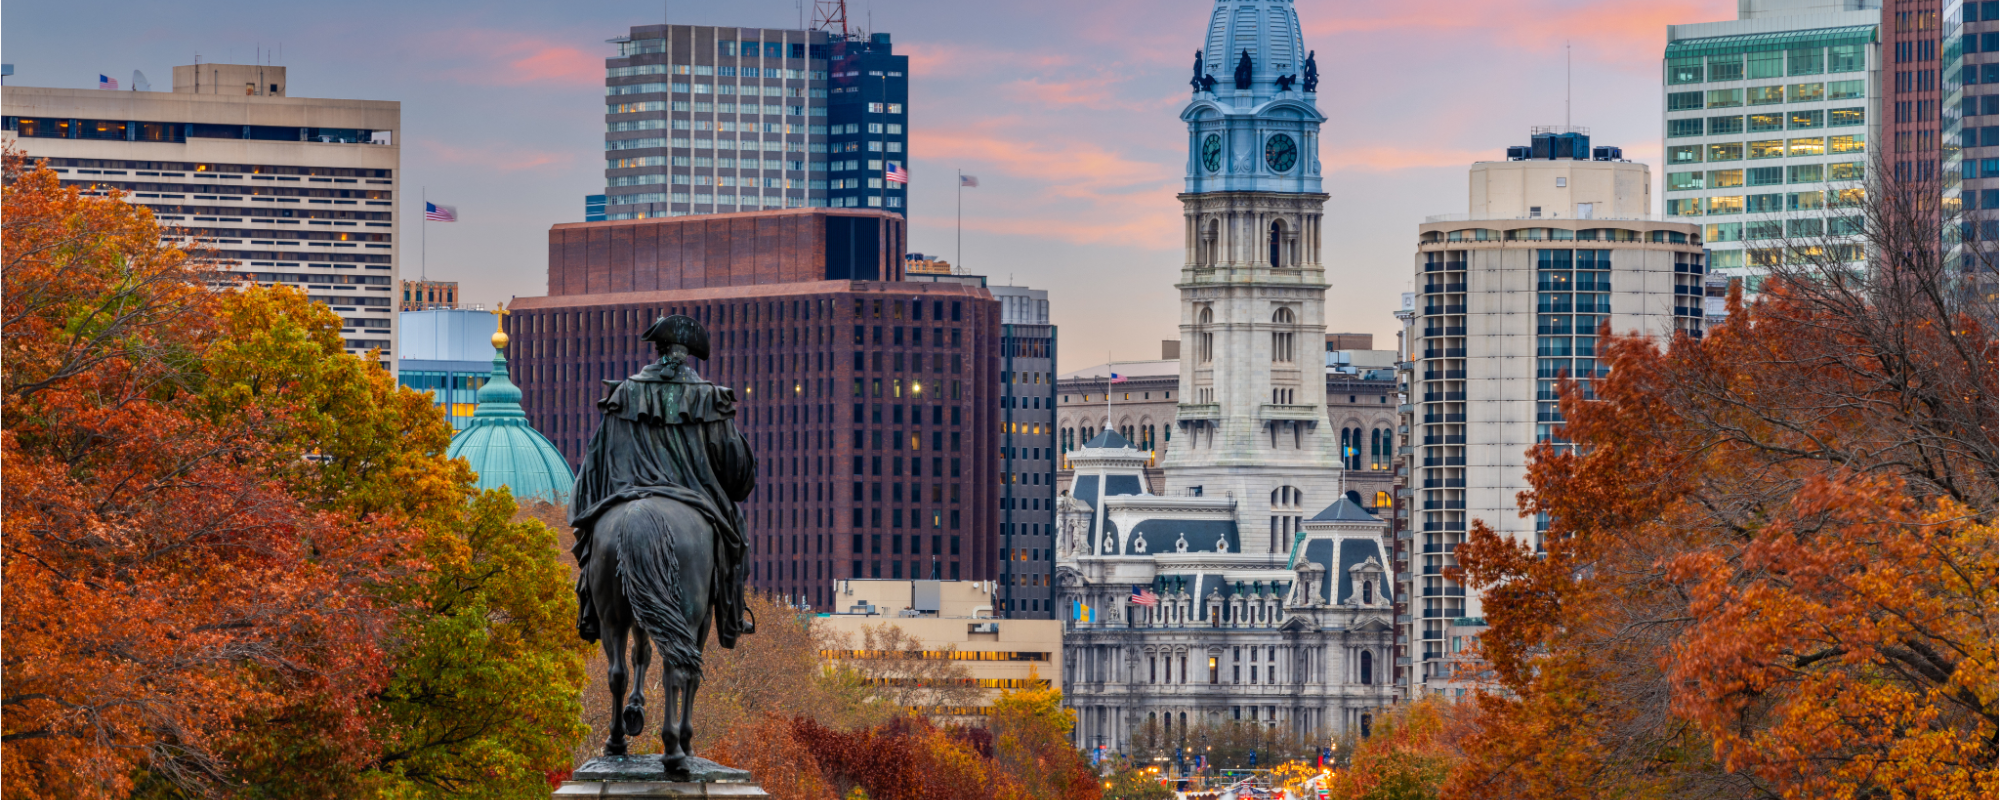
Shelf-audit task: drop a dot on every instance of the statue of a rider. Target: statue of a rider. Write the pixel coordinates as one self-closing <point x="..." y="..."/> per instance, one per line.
<point x="668" y="433"/>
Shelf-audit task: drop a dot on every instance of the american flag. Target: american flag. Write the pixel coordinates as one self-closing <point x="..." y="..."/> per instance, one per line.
<point x="106" y="82"/>
<point x="1117" y="378"/>
<point x="896" y="173"/>
<point x="1144" y="597"/>
<point x="968" y="181"/>
<point x="437" y="213"/>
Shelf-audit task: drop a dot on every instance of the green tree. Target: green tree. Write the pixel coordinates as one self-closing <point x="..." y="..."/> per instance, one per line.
<point x="484" y="676"/>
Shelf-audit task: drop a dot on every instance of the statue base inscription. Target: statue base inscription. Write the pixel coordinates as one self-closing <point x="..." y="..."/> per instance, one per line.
<point x="644" y="776"/>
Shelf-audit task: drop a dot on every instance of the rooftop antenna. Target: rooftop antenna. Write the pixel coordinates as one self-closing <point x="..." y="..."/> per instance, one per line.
<point x="830" y="13"/>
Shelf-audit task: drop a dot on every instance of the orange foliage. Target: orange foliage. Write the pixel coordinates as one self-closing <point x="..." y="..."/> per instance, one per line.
<point x="157" y="586"/>
<point x="1770" y="564"/>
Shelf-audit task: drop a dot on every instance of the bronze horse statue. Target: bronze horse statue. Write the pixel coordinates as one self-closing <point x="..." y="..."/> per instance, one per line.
<point x="659" y="535"/>
<point x="653" y="572"/>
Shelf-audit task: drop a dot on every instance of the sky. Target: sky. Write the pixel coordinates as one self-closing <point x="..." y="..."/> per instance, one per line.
<point x="1066" y="111"/>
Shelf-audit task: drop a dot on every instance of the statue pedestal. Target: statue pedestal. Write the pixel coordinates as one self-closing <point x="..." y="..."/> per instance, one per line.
<point x="637" y="777"/>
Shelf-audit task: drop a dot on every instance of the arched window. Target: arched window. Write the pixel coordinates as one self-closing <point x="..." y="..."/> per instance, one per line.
<point x="1277" y="243"/>
<point x="1366" y="725"/>
<point x="1367" y="591"/>
<point x="1382" y="500"/>
<point x="1367" y="671"/>
<point x="1281" y="341"/>
<point x="1211" y="244"/>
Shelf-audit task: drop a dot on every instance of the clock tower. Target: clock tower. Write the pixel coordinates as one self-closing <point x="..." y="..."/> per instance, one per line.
<point x="1252" y="421"/>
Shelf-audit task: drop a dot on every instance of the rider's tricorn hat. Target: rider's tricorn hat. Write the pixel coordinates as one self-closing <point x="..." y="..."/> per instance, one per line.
<point x="679" y="330"/>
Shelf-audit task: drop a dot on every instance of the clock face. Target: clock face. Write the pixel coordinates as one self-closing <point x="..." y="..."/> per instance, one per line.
<point x="1211" y="152"/>
<point x="1280" y="153"/>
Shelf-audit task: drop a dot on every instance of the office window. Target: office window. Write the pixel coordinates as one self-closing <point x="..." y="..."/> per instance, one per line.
<point x="1684" y="154"/>
<point x="1806" y="61"/>
<point x="1724" y="125"/>
<point x="1802" y="120"/>
<point x="1765" y="176"/>
<point x="1725" y="151"/>
<point x="1851" y="143"/>
<point x="1725" y="178"/>
<point x="1765" y="123"/>
<point x="1725" y="98"/>
<point x="1683" y="127"/>
<point x="1806" y="147"/>
<point x="1684" y="101"/>
<point x="1684" y="181"/>
<point x="1769" y="64"/>
<point x="1684" y="70"/>
<point x="1766" y="95"/>
<point x="1768" y="148"/>
<point x="1846" y="90"/>
<point x="1725" y="68"/>
<point x="1845" y="116"/>
<point x="1732" y="204"/>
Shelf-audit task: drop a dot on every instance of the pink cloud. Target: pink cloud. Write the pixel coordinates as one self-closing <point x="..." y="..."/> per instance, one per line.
<point x="505" y="58"/>
<point x="496" y="156"/>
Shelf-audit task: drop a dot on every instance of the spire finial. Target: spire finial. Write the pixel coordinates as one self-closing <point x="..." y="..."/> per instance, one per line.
<point x="500" y="313"/>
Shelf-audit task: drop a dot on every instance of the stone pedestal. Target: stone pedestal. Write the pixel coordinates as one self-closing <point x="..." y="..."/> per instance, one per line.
<point x="638" y="777"/>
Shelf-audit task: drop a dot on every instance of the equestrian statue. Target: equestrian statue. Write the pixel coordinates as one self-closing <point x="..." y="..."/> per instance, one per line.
<point x="659" y="537"/>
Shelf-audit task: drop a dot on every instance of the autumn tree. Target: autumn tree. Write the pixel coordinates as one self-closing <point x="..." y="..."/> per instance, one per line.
<point x="1407" y="756"/>
<point x="483" y="694"/>
<point x="159" y="588"/>
<point x="1031" y="741"/>
<point x="1769" y="568"/>
<point x="237" y="561"/>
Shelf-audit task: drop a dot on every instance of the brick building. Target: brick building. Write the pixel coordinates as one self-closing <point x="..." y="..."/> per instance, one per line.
<point x="872" y="404"/>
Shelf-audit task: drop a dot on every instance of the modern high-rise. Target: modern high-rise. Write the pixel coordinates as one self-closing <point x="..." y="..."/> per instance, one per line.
<point x="1773" y="120"/>
<point x="1509" y="300"/>
<point x="1970" y="134"/>
<point x="290" y="191"/>
<point x="1027" y="454"/>
<point x="1253" y="590"/>
<point x="705" y="120"/>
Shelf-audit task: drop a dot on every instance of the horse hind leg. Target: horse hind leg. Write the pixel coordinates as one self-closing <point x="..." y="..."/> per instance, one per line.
<point x="616" y="675"/>
<point x="634" y="714"/>
<point x="686" y="732"/>
<point x="672" y="754"/>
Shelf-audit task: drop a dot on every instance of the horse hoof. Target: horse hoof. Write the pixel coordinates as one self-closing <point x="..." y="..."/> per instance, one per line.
<point x="635" y="720"/>
<point x="674" y="763"/>
<point x="614" y="749"/>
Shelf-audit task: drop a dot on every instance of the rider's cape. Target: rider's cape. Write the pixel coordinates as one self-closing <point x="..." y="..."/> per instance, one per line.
<point x="669" y="433"/>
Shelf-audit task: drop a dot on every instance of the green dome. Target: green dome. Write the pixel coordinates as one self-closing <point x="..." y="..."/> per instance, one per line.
<point x="505" y="450"/>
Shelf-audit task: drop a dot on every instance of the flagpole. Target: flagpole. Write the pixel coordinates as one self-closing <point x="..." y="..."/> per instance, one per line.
<point x="424" y="237"/>
<point x="960" y="255"/>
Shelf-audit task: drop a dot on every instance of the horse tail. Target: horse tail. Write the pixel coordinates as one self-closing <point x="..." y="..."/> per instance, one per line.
<point x="651" y="576"/>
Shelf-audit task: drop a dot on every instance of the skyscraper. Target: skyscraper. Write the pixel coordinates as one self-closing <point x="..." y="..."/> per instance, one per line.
<point x="291" y="191"/>
<point x="1572" y="232"/>
<point x="1256" y="588"/>
<point x="703" y="120"/>
<point x="1970" y="135"/>
<point x="1027" y="453"/>
<point x="1772" y="122"/>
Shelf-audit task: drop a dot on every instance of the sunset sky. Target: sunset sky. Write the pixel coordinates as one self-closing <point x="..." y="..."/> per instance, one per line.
<point x="1067" y="112"/>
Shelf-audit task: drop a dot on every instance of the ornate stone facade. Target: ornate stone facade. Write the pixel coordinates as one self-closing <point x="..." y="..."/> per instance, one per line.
<point x="1267" y="611"/>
